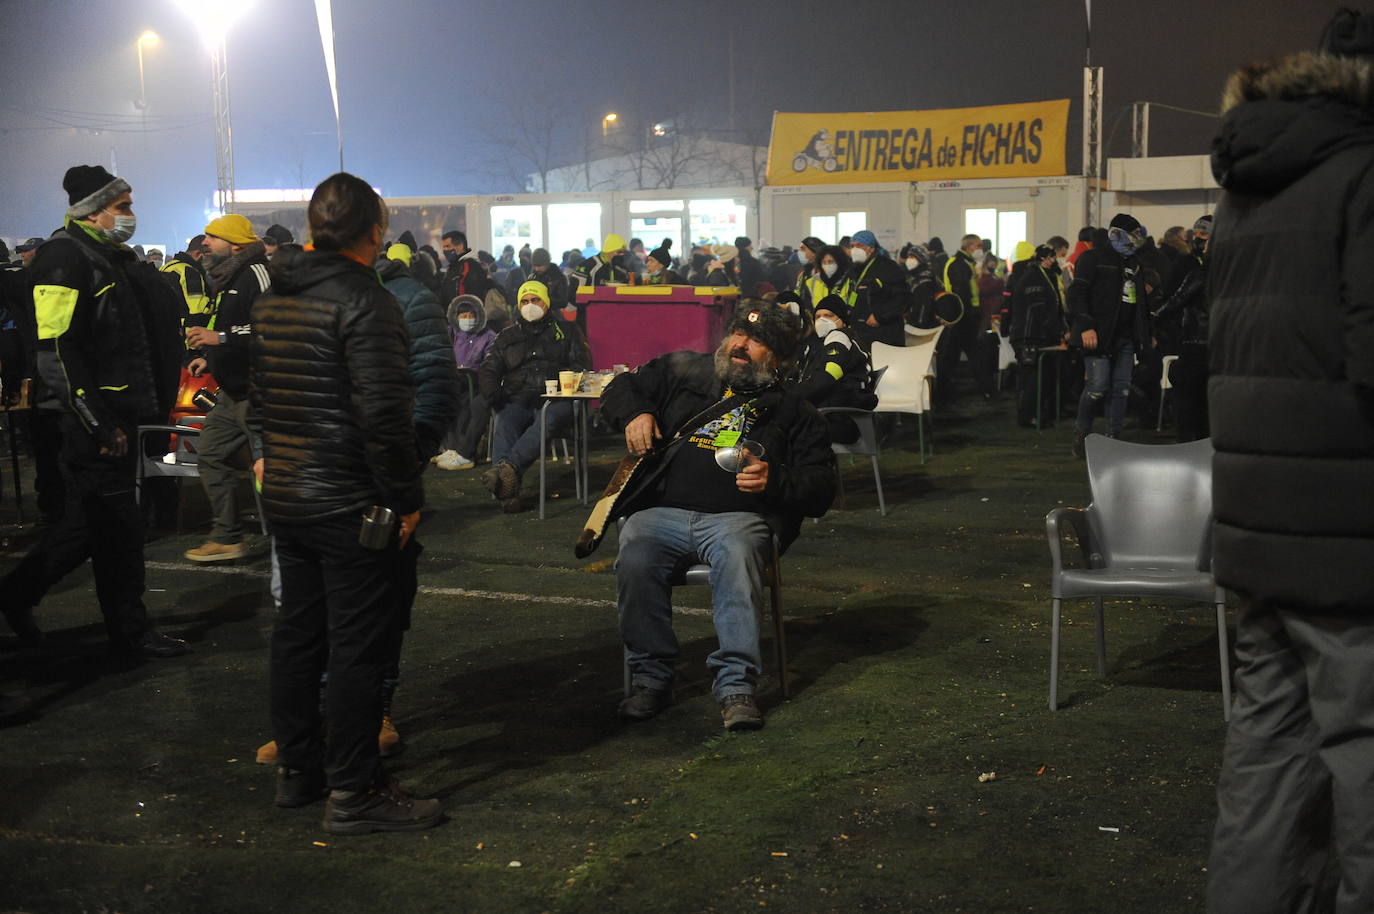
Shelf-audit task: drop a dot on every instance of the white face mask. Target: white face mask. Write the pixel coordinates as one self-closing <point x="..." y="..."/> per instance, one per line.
<point x="912" y="263"/>
<point x="978" y="255"/>
<point x="829" y="268"/>
<point x="123" y="228"/>
<point x="532" y="313"/>
<point x="466" y="324"/>
<point x="858" y="254"/>
<point x="1063" y="263"/>
<point x="824" y="325"/>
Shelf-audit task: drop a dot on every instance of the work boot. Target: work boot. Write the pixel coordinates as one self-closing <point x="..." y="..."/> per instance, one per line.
<point x="388" y="740"/>
<point x="503" y="480"/>
<point x="1080" y="449"/>
<point x="216" y="552"/>
<point x="739" y="712"/>
<point x="20" y="621"/>
<point x="643" y="702"/>
<point x="385" y="808"/>
<point x="297" y="788"/>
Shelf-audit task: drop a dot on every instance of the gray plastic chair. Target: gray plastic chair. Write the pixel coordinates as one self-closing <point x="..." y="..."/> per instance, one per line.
<point x="700" y="574"/>
<point x="185" y="461"/>
<point x="1147" y="533"/>
<point x="866" y="446"/>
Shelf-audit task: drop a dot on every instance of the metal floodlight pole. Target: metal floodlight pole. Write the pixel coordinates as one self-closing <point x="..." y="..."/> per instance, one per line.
<point x="224" y="131"/>
<point x="1092" y="142"/>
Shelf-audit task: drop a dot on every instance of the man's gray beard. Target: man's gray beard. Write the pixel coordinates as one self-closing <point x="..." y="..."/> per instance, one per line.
<point x="750" y="376"/>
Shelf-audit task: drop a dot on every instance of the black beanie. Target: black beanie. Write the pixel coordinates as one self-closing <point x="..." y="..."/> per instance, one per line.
<point x="1126" y="222"/>
<point x="935" y="245"/>
<point x="1348" y="34"/>
<point x="280" y="234"/>
<point x="776" y="328"/>
<point x="743" y="242"/>
<point x="408" y="239"/>
<point x="836" y="306"/>
<point x="664" y="254"/>
<point x="89" y="188"/>
<point x="540" y="258"/>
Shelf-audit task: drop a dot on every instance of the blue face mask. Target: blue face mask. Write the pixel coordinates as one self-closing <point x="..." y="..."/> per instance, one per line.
<point x="1122" y="242"/>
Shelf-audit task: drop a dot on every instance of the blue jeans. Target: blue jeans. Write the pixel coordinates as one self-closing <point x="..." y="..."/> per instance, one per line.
<point x="1106" y="377"/>
<point x="656" y="542"/>
<point x="517" y="432"/>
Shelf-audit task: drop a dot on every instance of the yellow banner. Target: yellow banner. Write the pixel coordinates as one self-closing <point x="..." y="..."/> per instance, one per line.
<point x="997" y="141"/>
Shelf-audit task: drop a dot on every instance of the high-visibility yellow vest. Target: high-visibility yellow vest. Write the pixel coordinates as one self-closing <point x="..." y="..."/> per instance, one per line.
<point x="192" y="285"/>
<point x="972" y="300"/>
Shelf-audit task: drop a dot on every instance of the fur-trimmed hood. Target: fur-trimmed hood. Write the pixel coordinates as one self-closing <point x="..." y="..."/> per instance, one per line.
<point x="1281" y="118"/>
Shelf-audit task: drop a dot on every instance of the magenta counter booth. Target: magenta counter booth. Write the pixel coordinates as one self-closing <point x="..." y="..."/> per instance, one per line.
<point x="630" y="325"/>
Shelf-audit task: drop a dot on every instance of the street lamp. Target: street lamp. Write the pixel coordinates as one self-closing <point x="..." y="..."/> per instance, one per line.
<point x="607" y="121"/>
<point x="214" y="21"/>
<point x="148" y="39"/>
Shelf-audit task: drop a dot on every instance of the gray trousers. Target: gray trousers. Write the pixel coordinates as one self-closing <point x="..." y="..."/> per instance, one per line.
<point x="1296" y="794"/>
<point x="224" y="436"/>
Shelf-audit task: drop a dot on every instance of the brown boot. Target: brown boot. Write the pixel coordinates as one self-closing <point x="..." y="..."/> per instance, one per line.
<point x="216" y="552"/>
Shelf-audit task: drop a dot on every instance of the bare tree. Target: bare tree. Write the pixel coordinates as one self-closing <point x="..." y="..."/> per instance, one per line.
<point x="525" y="142"/>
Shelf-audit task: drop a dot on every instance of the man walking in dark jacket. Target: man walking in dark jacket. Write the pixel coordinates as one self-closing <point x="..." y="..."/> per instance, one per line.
<point x="236" y="263"/>
<point x="109" y="349"/>
<point x="960" y="277"/>
<point x="1292" y="417"/>
<point x="1108" y="302"/>
<point x="525" y="355"/>
<point x="1037" y="323"/>
<point x="686" y="503"/>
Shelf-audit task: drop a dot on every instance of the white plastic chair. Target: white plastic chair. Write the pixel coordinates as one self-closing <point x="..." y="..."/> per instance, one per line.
<point x="1164" y="384"/>
<point x="1006" y="358"/>
<point x="905" y="386"/>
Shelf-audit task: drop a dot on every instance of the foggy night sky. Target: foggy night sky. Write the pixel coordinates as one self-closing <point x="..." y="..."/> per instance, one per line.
<point x="419" y="80"/>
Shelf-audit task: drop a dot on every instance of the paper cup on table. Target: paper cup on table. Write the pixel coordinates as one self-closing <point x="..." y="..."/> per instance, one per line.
<point x="567" y="381"/>
<point x="550" y="387"/>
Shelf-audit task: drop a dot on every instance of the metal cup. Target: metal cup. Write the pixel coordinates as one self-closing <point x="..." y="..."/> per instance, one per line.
<point x="378" y="525"/>
<point x="205" y="399"/>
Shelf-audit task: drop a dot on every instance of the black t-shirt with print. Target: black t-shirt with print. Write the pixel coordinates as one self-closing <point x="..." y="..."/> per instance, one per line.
<point x="694" y="481"/>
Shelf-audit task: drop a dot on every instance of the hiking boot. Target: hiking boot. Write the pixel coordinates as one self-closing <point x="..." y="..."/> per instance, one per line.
<point x="739" y="712"/>
<point x="216" y="552"/>
<point x="503" y="480"/>
<point x="20" y="621"/>
<point x="298" y="788"/>
<point x="388" y="740"/>
<point x="156" y="644"/>
<point x="267" y="753"/>
<point x="452" y="460"/>
<point x="1080" y="450"/>
<point x="643" y="702"/>
<point x="386" y="808"/>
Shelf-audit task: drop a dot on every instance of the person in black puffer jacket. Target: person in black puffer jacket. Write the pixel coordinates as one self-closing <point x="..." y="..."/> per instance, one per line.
<point x="1037" y="322"/>
<point x="1291" y="398"/>
<point x="432" y="370"/>
<point x="333" y="401"/>
<point x="511" y="379"/>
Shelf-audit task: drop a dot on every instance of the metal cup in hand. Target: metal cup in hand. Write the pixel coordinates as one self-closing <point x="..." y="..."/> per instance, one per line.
<point x="205" y="399"/>
<point x="378" y="525"/>
<point x="734" y="458"/>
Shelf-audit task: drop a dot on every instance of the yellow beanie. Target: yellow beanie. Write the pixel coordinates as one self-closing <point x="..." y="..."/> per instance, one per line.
<point x="612" y="244"/>
<point x="533" y="286"/>
<point x="1024" y="251"/>
<point x="399" y="251"/>
<point x="233" y="228"/>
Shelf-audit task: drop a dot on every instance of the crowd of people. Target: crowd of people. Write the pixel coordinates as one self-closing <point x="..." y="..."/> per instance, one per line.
<point x="344" y="367"/>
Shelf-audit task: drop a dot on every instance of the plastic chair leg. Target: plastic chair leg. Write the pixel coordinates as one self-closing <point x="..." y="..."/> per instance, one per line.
<point x="1101" y="642"/>
<point x="779" y="632"/>
<point x="878" y="481"/>
<point x="1224" y="650"/>
<point x="1054" y="654"/>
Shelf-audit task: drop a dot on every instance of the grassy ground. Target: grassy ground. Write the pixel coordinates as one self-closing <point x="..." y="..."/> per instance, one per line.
<point x="918" y="652"/>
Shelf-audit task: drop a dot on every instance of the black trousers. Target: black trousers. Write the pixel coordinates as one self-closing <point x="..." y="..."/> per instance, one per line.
<point x="1028" y="360"/>
<point x="961" y="337"/>
<point x="338" y="615"/>
<point x="1189" y="377"/>
<point x="101" y="522"/>
<point x="45" y="437"/>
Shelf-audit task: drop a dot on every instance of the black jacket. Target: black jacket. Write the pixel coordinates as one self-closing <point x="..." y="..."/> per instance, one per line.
<point x="331" y="395"/>
<point x="836" y="373"/>
<point x="1037" y="307"/>
<point x="1291" y="392"/>
<point x="1094" y="297"/>
<point x="108" y="332"/>
<point x="237" y="283"/>
<point x="1183" y="316"/>
<point x="525" y="355"/>
<point x="678" y="386"/>
<point x="432" y="369"/>
<point x="750" y="273"/>
<point x="553" y="280"/>
<point x="596" y="271"/>
<point x="880" y="291"/>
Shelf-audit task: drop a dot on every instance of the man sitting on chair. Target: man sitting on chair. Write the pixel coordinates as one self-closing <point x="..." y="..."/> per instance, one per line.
<point x="690" y="502"/>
